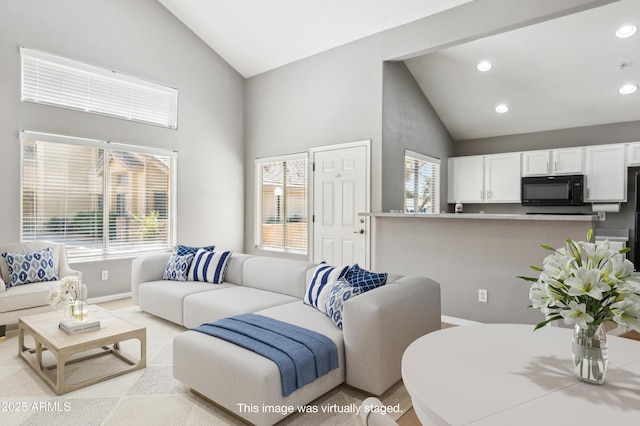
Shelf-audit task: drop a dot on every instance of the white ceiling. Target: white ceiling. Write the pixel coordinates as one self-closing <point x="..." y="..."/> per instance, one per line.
<point x="558" y="74"/>
<point x="255" y="36"/>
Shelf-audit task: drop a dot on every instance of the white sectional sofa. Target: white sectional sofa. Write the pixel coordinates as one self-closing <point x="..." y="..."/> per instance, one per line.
<point x="377" y="327"/>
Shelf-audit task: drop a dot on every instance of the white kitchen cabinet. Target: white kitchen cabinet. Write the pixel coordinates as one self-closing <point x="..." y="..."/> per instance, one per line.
<point x="466" y="179"/>
<point x="633" y="154"/>
<point x="502" y="178"/>
<point x="536" y="163"/>
<point x="569" y="161"/>
<point x="606" y="173"/>
<point x="485" y="179"/>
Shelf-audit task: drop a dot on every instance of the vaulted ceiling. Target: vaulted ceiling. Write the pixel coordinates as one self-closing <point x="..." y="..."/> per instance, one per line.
<point x="557" y="74"/>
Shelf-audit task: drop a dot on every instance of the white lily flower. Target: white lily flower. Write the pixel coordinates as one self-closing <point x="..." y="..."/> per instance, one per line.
<point x="582" y="269"/>
<point x="539" y="297"/>
<point x="587" y="281"/>
<point x="626" y="314"/>
<point x="576" y="314"/>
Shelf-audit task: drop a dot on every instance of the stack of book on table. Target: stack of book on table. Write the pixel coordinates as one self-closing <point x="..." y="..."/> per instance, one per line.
<point x="69" y="326"/>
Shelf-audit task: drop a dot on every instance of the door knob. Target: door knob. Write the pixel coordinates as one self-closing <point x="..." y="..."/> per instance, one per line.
<point x="359" y="232"/>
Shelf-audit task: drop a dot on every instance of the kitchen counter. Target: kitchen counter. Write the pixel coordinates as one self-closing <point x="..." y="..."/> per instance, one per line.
<point x="488" y="216"/>
<point x="466" y="252"/>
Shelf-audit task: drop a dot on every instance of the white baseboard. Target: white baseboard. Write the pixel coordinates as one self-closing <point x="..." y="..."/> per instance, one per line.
<point x="457" y="321"/>
<point x="109" y="298"/>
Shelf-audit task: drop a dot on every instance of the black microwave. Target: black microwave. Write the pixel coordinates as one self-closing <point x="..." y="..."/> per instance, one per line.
<point x="553" y="190"/>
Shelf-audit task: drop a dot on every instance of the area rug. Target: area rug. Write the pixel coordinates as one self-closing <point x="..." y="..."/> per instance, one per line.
<point x="150" y="396"/>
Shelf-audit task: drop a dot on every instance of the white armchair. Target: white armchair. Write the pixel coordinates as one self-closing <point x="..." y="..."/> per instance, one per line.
<point x="27" y="299"/>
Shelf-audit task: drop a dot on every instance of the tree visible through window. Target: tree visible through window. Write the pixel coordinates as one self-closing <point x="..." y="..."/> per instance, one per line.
<point x="281" y="203"/>
<point x="421" y="183"/>
<point x="97" y="198"/>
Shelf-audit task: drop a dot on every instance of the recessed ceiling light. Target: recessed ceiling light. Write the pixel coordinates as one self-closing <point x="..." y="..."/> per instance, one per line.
<point x="484" y="66"/>
<point x="626" y="31"/>
<point x="628" y="89"/>
<point x="502" y="108"/>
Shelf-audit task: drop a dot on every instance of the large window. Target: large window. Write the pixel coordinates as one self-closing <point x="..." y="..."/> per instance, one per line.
<point x="98" y="198"/>
<point x="281" y="203"/>
<point x="53" y="80"/>
<point x="421" y="183"/>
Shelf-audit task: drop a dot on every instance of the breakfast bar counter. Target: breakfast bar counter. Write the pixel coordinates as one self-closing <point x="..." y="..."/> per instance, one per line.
<point x="467" y="252"/>
<point x="489" y="216"/>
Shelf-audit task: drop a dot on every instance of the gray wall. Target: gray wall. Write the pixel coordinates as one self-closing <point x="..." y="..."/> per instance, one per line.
<point x="336" y="96"/>
<point x="143" y="39"/>
<point x="408" y="122"/>
<point x="465" y="255"/>
<point x="331" y="98"/>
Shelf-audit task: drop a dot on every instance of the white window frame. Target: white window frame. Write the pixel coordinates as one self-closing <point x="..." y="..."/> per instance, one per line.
<point x="422" y="157"/>
<point x="56" y="81"/>
<point x="111" y="146"/>
<point x="258" y="205"/>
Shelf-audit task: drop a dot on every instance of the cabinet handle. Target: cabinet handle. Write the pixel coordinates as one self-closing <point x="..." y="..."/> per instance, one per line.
<point x="555" y="166"/>
<point x="547" y="167"/>
<point x="488" y="195"/>
<point x="481" y="194"/>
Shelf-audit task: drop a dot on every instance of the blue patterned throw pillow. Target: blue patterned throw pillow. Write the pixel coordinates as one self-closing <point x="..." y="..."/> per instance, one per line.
<point x="209" y="266"/>
<point x="338" y="295"/>
<point x="27" y="268"/>
<point x="364" y="279"/>
<point x="184" y="250"/>
<point x="177" y="267"/>
<point x="323" y="279"/>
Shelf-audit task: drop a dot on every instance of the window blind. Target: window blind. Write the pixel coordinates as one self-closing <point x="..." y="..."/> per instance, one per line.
<point x="53" y="80"/>
<point x="282" y="203"/>
<point x="421" y="183"/>
<point x="98" y="198"/>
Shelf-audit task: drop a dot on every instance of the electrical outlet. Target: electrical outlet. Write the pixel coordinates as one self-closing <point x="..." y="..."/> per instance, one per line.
<point x="105" y="275"/>
<point x="483" y="295"/>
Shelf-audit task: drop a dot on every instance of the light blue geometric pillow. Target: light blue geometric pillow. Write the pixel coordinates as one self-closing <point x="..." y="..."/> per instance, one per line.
<point x="364" y="279"/>
<point x="324" y="276"/>
<point x="177" y="267"/>
<point x="184" y="250"/>
<point x="27" y="268"/>
<point x="339" y="294"/>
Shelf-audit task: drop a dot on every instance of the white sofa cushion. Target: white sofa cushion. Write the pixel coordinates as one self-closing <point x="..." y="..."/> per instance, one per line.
<point x="213" y="305"/>
<point x="165" y="299"/>
<point x="279" y="275"/>
<point x="26" y="296"/>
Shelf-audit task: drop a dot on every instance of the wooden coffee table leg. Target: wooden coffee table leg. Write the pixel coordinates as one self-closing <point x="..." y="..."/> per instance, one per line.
<point x="61" y="384"/>
<point x="39" y="365"/>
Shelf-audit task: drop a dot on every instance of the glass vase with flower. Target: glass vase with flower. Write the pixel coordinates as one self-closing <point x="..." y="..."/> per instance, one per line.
<point x="587" y="284"/>
<point x="70" y="298"/>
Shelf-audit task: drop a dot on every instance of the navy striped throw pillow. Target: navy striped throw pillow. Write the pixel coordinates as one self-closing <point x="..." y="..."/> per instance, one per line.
<point x="324" y="278"/>
<point x="209" y="266"/>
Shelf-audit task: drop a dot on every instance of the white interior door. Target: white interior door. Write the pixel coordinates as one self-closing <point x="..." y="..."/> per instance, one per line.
<point x="340" y="185"/>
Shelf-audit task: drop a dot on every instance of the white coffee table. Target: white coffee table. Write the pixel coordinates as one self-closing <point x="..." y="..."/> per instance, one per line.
<point x="505" y="374"/>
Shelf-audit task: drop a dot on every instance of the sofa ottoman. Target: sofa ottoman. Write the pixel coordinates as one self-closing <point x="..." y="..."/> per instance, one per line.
<point x="248" y="384"/>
